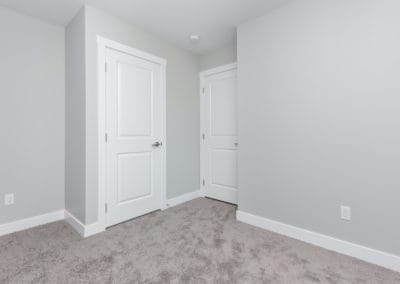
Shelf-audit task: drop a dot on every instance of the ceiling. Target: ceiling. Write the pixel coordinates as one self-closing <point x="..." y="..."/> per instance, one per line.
<point x="174" y="20"/>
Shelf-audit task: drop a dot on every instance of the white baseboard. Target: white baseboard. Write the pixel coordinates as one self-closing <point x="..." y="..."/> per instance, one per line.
<point x="75" y="223"/>
<point x="377" y="257"/>
<point x="183" y="198"/>
<point x="95" y="228"/>
<point x="31" y="222"/>
<point x="84" y="230"/>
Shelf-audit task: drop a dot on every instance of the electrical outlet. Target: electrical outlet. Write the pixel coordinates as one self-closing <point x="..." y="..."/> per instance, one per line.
<point x="345" y="212"/>
<point x="9" y="199"/>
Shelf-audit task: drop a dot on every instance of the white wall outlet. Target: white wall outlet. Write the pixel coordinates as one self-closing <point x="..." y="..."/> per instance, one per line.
<point x="345" y="213"/>
<point x="9" y="199"/>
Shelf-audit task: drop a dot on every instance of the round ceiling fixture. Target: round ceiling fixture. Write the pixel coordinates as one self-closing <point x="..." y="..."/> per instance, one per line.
<point x="194" y="38"/>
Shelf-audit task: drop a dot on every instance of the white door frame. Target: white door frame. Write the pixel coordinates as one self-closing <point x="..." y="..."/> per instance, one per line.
<point x="203" y="75"/>
<point x="102" y="44"/>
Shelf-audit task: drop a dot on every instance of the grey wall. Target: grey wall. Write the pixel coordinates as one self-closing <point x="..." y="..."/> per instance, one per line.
<point x="32" y="105"/>
<point x="218" y="57"/>
<point x="75" y="119"/>
<point x="319" y="118"/>
<point x="182" y="105"/>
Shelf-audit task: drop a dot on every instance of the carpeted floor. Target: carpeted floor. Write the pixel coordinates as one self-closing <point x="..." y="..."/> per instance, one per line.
<point x="196" y="242"/>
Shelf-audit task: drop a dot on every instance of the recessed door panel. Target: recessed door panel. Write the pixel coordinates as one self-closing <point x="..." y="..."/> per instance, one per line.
<point x="134" y="176"/>
<point x="224" y="167"/>
<point x="135" y="96"/>
<point x="223" y="107"/>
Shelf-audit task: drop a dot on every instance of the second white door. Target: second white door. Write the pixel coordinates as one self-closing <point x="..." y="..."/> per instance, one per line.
<point x="135" y="127"/>
<point x="219" y="133"/>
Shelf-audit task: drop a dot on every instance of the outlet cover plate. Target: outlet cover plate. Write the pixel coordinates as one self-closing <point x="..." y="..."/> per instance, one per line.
<point x="345" y="213"/>
<point x="9" y="199"/>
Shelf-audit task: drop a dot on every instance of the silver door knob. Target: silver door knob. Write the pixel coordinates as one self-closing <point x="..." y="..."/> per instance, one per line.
<point x="157" y="144"/>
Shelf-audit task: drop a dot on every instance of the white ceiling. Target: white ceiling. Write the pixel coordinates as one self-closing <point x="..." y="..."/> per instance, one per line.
<point x="173" y="20"/>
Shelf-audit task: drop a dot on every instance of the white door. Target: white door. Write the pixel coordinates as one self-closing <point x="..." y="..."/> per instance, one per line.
<point x="135" y="128"/>
<point x="219" y="134"/>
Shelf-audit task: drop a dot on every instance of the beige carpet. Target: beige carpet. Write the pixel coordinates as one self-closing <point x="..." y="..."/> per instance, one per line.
<point x="197" y="242"/>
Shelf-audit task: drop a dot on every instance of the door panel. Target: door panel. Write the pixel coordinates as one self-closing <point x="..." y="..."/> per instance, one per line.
<point x="135" y="186"/>
<point x="134" y="122"/>
<point x="135" y="98"/>
<point x="223" y="107"/>
<point x="219" y="143"/>
<point x="223" y="171"/>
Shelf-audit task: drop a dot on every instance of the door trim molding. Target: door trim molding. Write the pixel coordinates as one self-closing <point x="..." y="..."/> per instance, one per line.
<point x="219" y="69"/>
<point x="102" y="44"/>
<point x="203" y="75"/>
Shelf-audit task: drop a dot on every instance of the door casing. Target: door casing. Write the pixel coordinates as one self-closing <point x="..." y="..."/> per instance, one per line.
<point x="102" y="44"/>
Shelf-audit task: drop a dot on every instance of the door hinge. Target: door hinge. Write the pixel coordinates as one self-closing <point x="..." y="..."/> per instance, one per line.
<point x="106" y="137"/>
<point x="204" y="182"/>
<point x="204" y="136"/>
<point x="106" y="207"/>
<point x="105" y="67"/>
<point x="204" y="91"/>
